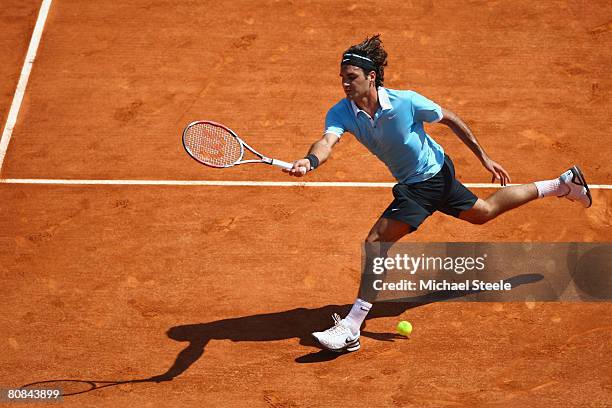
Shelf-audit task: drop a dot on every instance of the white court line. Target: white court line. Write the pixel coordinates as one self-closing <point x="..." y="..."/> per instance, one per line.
<point x="23" y="79"/>
<point x="237" y="183"/>
<point x="16" y="106"/>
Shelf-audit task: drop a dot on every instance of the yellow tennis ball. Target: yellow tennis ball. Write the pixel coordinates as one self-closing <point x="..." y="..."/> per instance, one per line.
<point x="404" y="328"/>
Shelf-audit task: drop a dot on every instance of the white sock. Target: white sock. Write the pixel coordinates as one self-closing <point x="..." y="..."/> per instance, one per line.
<point x="357" y="315"/>
<point x="549" y="188"/>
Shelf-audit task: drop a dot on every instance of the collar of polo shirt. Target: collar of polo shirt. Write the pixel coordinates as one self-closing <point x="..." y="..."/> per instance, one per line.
<point x="383" y="99"/>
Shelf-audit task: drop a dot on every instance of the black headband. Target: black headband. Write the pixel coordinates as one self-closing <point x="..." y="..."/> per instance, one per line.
<point x="358" y="61"/>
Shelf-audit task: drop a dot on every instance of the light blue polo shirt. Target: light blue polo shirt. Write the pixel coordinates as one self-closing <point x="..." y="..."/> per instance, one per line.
<point x="395" y="135"/>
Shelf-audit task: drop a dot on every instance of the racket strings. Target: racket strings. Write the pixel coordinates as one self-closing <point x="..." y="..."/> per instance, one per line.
<point x="213" y="145"/>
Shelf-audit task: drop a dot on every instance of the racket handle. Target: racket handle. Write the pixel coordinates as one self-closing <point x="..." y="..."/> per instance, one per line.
<point x="282" y="164"/>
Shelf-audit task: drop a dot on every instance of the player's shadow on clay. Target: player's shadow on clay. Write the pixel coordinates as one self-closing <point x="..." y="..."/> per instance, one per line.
<point x="296" y="323"/>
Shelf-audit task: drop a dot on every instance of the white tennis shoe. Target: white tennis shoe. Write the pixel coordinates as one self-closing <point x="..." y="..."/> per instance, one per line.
<point x="338" y="338"/>
<point x="578" y="188"/>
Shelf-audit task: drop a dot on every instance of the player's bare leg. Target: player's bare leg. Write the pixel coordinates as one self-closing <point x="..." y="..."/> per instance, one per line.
<point x="570" y="184"/>
<point x="501" y="201"/>
<point x="382" y="236"/>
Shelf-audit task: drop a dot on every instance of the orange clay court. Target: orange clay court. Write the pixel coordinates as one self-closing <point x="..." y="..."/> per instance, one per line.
<point x="213" y="290"/>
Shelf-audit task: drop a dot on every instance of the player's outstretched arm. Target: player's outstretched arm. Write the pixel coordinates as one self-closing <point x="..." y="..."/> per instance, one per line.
<point x="321" y="150"/>
<point x="465" y="134"/>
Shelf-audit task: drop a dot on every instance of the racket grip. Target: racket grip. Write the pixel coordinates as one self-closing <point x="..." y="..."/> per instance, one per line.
<point x="282" y="164"/>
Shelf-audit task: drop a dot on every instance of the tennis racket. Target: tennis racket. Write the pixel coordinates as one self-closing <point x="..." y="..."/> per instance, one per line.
<point x="218" y="146"/>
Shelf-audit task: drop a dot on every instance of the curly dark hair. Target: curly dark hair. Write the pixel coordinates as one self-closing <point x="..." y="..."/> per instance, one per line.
<point x="372" y="48"/>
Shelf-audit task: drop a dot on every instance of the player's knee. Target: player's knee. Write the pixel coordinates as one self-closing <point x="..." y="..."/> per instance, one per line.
<point x="372" y="238"/>
<point x="484" y="213"/>
<point x="481" y="214"/>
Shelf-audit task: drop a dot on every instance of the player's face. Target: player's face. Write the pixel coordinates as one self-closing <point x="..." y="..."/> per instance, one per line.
<point x="354" y="82"/>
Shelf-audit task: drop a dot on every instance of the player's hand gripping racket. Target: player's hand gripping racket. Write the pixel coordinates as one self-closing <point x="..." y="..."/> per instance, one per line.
<point x="218" y="146"/>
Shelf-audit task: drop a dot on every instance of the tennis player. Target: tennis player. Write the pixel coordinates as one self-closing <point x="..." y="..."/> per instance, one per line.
<point x="389" y="123"/>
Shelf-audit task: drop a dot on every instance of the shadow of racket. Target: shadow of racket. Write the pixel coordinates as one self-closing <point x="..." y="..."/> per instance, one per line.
<point x="70" y="387"/>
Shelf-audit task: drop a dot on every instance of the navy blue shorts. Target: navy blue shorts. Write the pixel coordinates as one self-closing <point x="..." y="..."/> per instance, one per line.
<point x="415" y="202"/>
